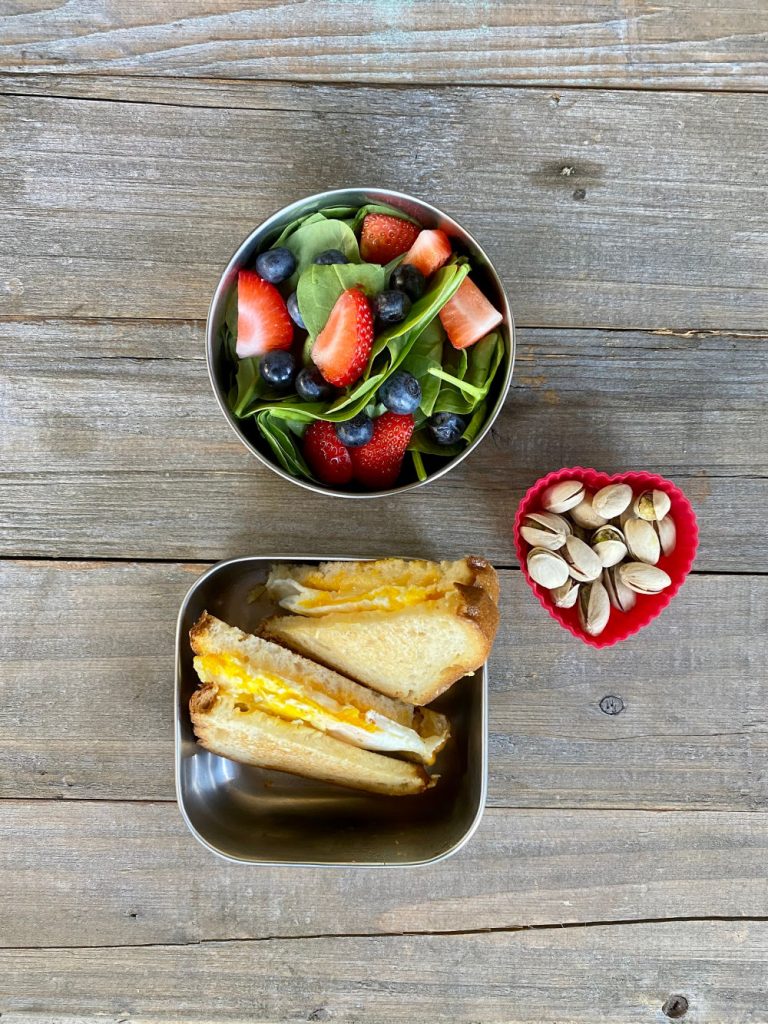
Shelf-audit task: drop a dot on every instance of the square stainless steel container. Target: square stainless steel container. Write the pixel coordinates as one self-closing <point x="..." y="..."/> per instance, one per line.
<point x="255" y="816"/>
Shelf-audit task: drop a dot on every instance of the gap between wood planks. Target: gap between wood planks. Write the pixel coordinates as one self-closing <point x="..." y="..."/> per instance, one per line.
<point x="501" y="929"/>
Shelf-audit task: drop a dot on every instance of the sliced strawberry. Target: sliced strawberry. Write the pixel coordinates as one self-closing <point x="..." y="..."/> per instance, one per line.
<point x="384" y="237"/>
<point x="430" y="251"/>
<point x="376" y="465"/>
<point x="263" y="323"/>
<point x="327" y="457"/>
<point x="341" y="349"/>
<point x="468" y="316"/>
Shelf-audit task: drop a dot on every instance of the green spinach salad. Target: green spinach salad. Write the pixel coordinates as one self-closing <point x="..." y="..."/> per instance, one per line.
<point x="362" y="349"/>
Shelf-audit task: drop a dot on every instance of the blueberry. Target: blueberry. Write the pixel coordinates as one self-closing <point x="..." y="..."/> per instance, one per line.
<point x="392" y="306"/>
<point x="293" y="311"/>
<point x="355" y="432"/>
<point x="311" y="386"/>
<point x="446" y="427"/>
<point x="278" y="369"/>
<point x="275" y="265"/>
<point x="401" y="393"/>
<point x="409" y="279"/>
<point x="330" y="256"/>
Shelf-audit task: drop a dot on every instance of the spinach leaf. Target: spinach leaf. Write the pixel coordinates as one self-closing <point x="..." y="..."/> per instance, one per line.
<point x="476" y="423"/>
<point x="421" y="441"/>
<point x="391" y="211"/>
<point x="313" y="238"/>
<point x="320" y="286"/>
<point x="308" y="218"/>
<point x="418" y="464"/>
<point x="247" y="385"/>
<point x="283" y="445"/>
<point x="463" y="396"/>
<point x="424" y="355"/>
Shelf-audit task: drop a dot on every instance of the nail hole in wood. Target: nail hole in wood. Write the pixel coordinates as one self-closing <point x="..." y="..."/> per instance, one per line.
<point x="611" y="705"/>
<point x="675" y="1007"/>
<point x="579" y="193"/>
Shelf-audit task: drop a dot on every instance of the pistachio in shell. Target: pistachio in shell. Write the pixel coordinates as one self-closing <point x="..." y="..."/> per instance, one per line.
<point x="621" y="597"/>
<point x="609" y="545"/>
<point x="584" y="514"/>
<point x="562" y="496"/>
<point x="545" y="530"/>
<point x="666" y="531"/>
<point x="643" y="578"/>
<point x="652" y="505"/>
<point x="594" y="608"/>
<point x="567" y="595"/>
<point x="612" y="500"/>
<point x="547" y="568"/>
<point x="584" y="565"/>
<point x="642" y="541"/>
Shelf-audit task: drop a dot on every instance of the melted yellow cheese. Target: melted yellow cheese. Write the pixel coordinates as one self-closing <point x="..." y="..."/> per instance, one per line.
<point x="386" y="598"/>
<point x="275" y="695"/>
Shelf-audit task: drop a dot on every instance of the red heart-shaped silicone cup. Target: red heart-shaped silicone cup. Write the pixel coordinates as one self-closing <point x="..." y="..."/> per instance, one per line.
<point x="620" y="624"/>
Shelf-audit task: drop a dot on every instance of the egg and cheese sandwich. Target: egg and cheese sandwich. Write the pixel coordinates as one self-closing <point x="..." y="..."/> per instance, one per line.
<point x="408" y="629"/>
<point x="264" y="705"/>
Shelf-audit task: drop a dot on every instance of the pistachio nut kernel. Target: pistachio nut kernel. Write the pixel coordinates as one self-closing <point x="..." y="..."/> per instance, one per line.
<point x="584" y="514"/>
<point x="666" y="531"/>
<point x="652" y="505"/>
<point x="643" y="578"/>
<point x="546" y="568"/>
<point x="612" y="500"/>
<point x="621" y="597"/>
<point x="564" y="495"/>
<point x="545" y="530"/>
<point x="584" y="565"/>
<point x="594" y="608"/>
<point x="567" y="595"/>
<point x="609" y="545"/>
<point x="642" y="541"/>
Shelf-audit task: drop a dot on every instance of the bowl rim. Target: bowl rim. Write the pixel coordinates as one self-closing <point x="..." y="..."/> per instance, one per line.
<point x="326" y="199"/>
<point x="179" y="710"/>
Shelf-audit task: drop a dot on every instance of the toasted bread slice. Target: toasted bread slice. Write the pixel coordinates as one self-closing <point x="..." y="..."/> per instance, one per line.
<point x="261" y="704"/>
<point x="411" y="650"/>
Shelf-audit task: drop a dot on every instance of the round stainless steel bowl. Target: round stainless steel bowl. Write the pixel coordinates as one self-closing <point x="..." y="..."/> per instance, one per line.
<point x="428" y="216"/>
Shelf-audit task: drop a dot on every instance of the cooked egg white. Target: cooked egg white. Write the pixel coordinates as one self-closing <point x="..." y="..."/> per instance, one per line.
<point x="302" y="600"/>
<point x="297" y="702"/>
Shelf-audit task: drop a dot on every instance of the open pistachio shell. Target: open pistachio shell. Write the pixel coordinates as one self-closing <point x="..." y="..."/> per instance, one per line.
<point x="612" y="500"/>
<point x="545" y="530"/>
<point x="643" y="578"/>
<point x="567" y="595"/>
<point x="642" y="541"/>
<point x="652" y="505"/>
<point x="584" y="565"/>
<point x="666" y="531"/>
<point x="594" y="608"/>
<point x="564" y="495"/>
<point x="621" y="597"/>
<point x="584" y="514"/>
<point x="609" y="545"/>
<point x="547" y="568"/>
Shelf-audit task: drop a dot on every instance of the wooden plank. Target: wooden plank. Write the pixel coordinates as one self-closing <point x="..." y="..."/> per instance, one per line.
<point x="133" y="209"/>
<point x="98" y="874"/>
<point x="109" y="429"/>
<point x="697" y="44"/>
<point x="552" y="976"/>
<point x="693" y="733"/>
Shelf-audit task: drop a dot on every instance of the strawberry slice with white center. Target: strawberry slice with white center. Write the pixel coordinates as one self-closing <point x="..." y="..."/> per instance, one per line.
<point x="342" y="348"/>
<point x="468" y="316"/>
<point x="430" y="251"/>
<point x="263" y="322"/>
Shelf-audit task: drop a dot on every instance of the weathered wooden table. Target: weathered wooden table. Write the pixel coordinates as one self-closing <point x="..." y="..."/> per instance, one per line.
<point x="612" y="157"/>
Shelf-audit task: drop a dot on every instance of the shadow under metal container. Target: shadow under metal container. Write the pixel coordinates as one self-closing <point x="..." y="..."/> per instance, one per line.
<point x="258" y="816"/>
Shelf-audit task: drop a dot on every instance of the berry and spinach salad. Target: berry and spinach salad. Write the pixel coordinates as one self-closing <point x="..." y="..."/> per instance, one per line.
<point x="362" y="348"/>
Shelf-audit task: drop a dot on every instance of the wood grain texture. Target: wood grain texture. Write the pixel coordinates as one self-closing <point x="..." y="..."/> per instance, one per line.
<point x="133" y="209"/>
<point x="552" y="976"/>
<point x="689" y="44"/>
<point x="135" y="876"/>
<point x="112" y="445"/>
<point x="693" y="733"/>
